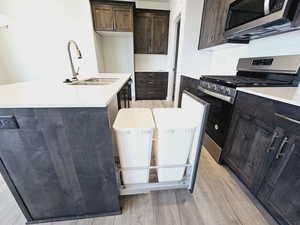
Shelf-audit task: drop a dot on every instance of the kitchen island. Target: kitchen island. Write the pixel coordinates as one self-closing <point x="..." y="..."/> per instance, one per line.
<point x="56" y="148"/>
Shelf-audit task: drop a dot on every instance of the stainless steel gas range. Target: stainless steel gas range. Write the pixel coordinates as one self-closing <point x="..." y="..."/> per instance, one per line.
<point x="220" y="92"/>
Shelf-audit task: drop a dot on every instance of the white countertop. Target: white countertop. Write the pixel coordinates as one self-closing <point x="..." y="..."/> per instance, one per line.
<point x="56" y="94"/>
<point x="290" y="95"/>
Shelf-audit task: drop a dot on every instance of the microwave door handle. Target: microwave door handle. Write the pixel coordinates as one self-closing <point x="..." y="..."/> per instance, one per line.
<point x="267" y="7"/>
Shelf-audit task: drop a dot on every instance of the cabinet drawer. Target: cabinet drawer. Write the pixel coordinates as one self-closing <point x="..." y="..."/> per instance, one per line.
<point x="287" y="116"/>
<point x="151" y="85"/>
<point x="270" y="111"/>
<point x="151" y="76"/>
<point x="151" y="93"/>
<point x="249" y="104"/>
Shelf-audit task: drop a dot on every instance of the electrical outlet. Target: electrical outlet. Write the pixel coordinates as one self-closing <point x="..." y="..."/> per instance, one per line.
<point x="8" y="122"/>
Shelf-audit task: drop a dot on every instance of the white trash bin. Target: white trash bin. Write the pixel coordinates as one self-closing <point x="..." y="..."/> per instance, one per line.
<point x="134" y="131"/>
<point x="175" y="135"/>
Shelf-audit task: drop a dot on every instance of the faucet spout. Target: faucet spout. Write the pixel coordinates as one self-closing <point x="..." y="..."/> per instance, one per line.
<point x="79" y="55"/>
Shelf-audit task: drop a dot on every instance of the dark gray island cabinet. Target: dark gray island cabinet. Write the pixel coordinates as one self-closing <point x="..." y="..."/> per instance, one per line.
<point x="263" y="149"/>
<point x="58" y="162"/>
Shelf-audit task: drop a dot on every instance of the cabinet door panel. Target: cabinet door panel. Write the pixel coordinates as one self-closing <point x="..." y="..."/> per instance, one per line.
<point x="58" y="165"/>
<point x="280" y="192"/>
<point x="123" y="19"/>
<point x="25" y="155"/>
<point x="151" y="28"/>
<point x="160" y="34"/>
<point x="103" y="18"/>
<point x="142" y="33"/>
<point x="213" y="23"/>
<point x="239" y="141"/>
<point x="261" y="154"/>
<point x="250" y="148"/>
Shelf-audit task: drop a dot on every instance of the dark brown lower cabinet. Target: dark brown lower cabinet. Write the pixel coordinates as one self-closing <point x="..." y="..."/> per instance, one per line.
<point x="263" y="149"/>
<point x="249" y="148"/>
<point x="124" y="96"/>
<point x="151" y="85"/>
<point x="280" y="192"/>
<point x="58" y="163"/>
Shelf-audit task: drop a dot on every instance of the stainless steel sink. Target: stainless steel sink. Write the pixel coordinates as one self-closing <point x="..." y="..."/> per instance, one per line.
<point x="95" y="81"/>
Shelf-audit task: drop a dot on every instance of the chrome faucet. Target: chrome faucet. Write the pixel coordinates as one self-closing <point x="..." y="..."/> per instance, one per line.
<point x="74" y="73"/>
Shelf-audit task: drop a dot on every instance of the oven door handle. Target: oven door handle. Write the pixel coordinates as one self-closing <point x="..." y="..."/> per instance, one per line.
<point x="267" y="7"/>
<point x="217" y="95"/>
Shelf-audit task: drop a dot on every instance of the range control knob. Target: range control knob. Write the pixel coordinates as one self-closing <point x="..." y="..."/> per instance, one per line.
<point x="227" y="91"/>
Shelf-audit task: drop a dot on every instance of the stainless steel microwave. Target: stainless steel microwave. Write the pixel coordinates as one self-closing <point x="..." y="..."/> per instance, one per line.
<point x="249" y="19"/>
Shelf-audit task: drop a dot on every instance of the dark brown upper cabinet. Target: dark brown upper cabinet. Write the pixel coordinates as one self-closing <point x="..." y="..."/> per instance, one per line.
<point x="123" y="18"/>
<point x="213" y="23"/>
<point x="151" y="31"/>
<point x="103" y="17"/>
<point x="112" y="17"/>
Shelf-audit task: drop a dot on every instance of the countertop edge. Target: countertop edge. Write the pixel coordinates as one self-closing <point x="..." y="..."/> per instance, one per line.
<point x="270" y="96"/>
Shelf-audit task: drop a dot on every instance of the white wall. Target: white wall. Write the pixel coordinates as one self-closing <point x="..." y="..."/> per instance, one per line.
<point x="34" y="46"/>
<point x="4" y="78"/>
<point x="148" y="4"/>
<point x="99" y="52"/>
<point x="191" y="62"/>
<point x="118" y="54"/>
<point x="152" y="63"/>
<point x="163" y="5"/>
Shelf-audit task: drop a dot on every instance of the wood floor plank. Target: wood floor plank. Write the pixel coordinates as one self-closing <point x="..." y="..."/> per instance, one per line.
<point x="20" y="219"/>
<point x="85" y="222"/>
<point x="188" y="210"/>
<point x="165" y="208"/>
<point x="132" y="220"/>
<point x="109" y="220"/>
<point x="137" y="208"/>
<point x="69" y="222"/>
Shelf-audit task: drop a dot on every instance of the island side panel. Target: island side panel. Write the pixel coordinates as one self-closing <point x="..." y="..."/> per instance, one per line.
<point x="60" y="160"/>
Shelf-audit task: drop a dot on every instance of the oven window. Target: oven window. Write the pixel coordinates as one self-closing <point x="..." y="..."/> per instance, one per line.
<point x="244" y="11"/>
<point x="219" y="118"/>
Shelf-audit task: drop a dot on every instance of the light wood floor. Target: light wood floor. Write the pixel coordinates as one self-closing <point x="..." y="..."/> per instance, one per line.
<point x="219" y="199"/>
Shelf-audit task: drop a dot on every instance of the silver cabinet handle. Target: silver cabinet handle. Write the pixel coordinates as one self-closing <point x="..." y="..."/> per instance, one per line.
<point x="267" y="7"/>
<point x="287" y="118"/>
<point x="280" y="150"/>
<point x="271" y="147"/>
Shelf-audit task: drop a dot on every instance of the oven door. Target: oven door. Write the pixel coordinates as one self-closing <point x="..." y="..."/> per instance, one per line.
<point x="244" y="16"/>
<point x="217" y="124"/>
